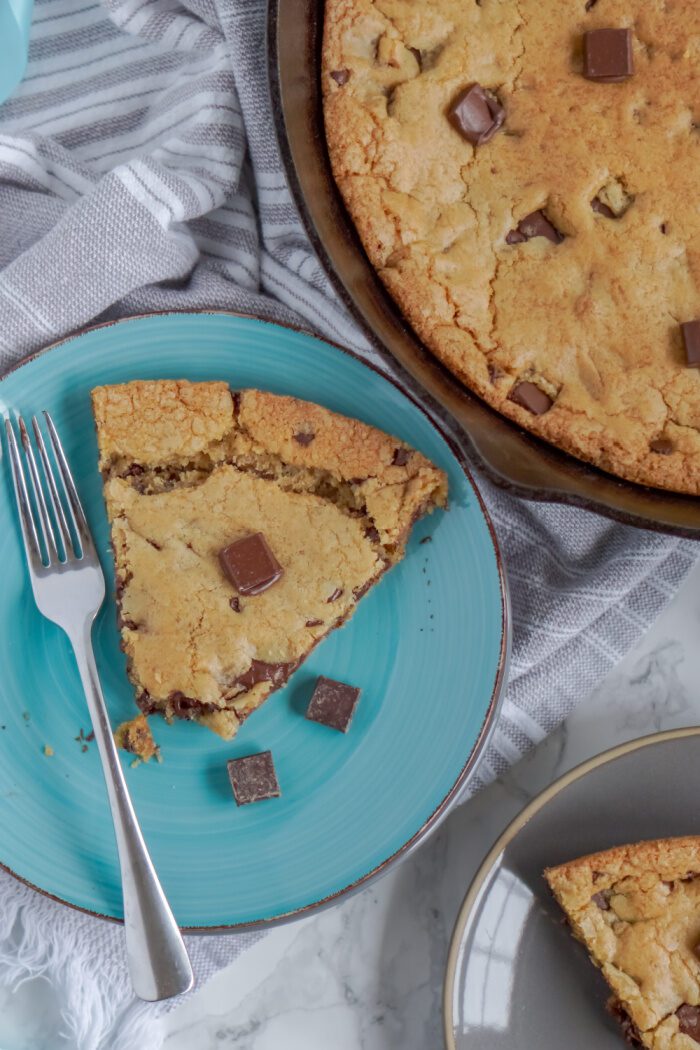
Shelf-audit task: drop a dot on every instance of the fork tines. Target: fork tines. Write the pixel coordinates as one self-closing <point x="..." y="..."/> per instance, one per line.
<point x="53" y="522"/>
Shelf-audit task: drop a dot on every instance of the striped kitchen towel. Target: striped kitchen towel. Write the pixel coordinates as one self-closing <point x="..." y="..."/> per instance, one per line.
<point x="139" y="171"/>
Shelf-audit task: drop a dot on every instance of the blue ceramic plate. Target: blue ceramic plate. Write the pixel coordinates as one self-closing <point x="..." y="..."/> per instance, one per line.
<point x="426" y="645"/>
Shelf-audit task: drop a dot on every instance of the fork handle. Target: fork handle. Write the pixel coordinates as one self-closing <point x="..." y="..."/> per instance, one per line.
<point x="158" y="962"/>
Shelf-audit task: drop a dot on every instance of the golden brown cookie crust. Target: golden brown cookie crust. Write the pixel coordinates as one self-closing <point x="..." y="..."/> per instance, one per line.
<point x="334" y="498"/>
<point x="593" y="321"/>
<point x="637" y="910"/>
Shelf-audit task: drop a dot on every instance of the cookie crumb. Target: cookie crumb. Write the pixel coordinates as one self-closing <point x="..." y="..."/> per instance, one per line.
<point x="135" y="736"/>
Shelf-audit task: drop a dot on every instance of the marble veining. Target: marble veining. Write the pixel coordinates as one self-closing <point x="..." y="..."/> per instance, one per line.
<point x="367" y="974"/>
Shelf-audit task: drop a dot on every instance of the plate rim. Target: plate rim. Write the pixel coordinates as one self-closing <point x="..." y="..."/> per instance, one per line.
<point x="512" y="830"/>
<point x="493" y="707"/>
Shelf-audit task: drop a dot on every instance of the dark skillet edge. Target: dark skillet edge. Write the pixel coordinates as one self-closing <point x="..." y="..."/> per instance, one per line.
<point x="590" y="473"/>
<point x="492" y="709"/>
<point x="515" y="826"/>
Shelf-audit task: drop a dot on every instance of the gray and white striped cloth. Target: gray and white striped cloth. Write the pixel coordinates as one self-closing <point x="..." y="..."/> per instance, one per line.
<point x="139" y="171"/>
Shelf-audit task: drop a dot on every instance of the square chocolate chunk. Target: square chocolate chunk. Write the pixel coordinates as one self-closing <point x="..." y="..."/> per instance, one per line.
<point x="691" y="341"/>
<point x="477" y="115"/>
<point x="253" y="778"/>
<point x="333" y="704"/>
<point x="607" y="55"/>
<point x="250" y="564"/>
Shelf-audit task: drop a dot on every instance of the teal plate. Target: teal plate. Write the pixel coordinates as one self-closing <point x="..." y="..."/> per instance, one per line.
<point x="427" y="646"/>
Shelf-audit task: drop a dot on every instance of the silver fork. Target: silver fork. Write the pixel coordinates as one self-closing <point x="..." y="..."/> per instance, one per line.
<point x="69" y="589"/>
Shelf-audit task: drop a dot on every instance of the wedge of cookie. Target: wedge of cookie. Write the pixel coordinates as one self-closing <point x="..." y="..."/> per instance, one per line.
<point x="245" y="527"/>
<point x="637" y="910"/>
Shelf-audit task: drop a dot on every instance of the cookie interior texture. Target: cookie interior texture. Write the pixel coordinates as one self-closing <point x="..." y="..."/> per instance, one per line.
<point x="190" y="467"/>
<point x="637" y="910"/>
<point x="592" y="316"/>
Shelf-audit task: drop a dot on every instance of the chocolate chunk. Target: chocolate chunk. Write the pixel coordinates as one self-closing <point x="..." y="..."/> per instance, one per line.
<point x="476" y="114"/>
<point x="607" y="55"/>
<point x="314" y="623"/>
<point x="691" y="341"/>
<point x="341" y="76"/>
<point x="689" y="1021"/>
<point x="133" y="471"/>
<point x="663" y="446"/>
<point x="145" y="704"/>
<point x="235" y="604"/>
<point x="250" y="564"/>
<point x="253" y="778"/>
<point x="530" y="397"/>
<point x="372" y="534"/>
<point x="536" y="224"/>
<point x="664" y="228"/>
<point x="602" y="209"/>
<point x="260" y="671"/>
<point x="304" y="438"/>
<point x="333" y="704"/>
<point x="630" y="1032"/>
<point x="187" y="707"/>
<point x="401" y="457"/>
<point x="337" y="593"/>
<point x="601" y="900"/>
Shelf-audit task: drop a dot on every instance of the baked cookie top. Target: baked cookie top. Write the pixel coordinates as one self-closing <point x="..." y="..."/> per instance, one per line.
<point x="564" y="252"/>
<point x="637" y="910"/>
<point x="190" y="471"/>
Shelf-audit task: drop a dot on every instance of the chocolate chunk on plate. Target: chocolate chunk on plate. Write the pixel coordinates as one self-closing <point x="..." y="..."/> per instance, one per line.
<point x="333" y="704"/>
<point x="476" y="114"/>
<point x="529" y="396"/>
<point x="536" y="224"/>
<point x="607" y="55"/>
<point x="253" y="778"/>
<point x="250" y="564"/>
<point x="691" y="341"/>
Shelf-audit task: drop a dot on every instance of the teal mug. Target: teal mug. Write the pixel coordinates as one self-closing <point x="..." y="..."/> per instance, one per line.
<point x="15" y="19"/>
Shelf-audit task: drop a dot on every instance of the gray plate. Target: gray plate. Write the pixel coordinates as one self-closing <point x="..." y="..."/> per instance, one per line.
<point x="516" y="979"/>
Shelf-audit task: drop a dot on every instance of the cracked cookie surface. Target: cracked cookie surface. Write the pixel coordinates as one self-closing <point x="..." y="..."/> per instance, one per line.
<point x="592" y="319"/>
<point x="637" y="910"/>
<point x="188" y="469"/>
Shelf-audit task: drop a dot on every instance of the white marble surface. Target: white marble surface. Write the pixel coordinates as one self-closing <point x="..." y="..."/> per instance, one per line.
<point x="367" y="974"/>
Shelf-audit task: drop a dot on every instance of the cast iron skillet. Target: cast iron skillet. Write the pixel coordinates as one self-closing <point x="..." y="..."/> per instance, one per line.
<point x="508" y="455"/>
